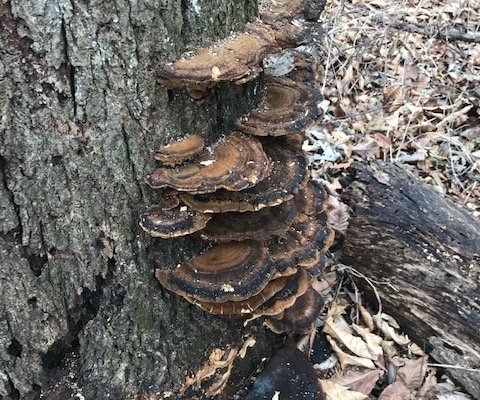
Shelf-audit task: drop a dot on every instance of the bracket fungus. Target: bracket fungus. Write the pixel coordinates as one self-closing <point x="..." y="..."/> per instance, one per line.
<point x="288" y="107"/>
<point x="237" y="163"/>
<point x="235" y="59"/>
<point x="299" y="317"/>
<point x="287" y="174"/>
<point x="289" y="251"/>
<point x="295" y="287"/>
<point x="248" y="195"/>
<point x="166" y="224"/>
<point x="228" y="272"/>
<point x="244" y="307"/>
<point x="177" y="152"/>
<point x="262" y="224"/>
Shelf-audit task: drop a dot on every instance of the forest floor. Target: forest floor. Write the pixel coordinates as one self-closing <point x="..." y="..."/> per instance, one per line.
<point x="400" y="82"/>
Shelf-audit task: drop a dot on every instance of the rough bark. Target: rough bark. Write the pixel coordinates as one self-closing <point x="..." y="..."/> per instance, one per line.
<point x="429" y="249"/>
<point x="81" y="117"/>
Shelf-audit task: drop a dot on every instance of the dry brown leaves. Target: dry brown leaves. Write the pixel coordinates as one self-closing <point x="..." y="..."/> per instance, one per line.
<point x="411" y="98"/>
<point x="371" y="358"/>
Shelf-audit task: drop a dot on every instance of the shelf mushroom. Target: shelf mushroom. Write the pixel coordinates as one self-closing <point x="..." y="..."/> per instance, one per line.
<point x="177" y="152"/>
<point x="236" y="163"/>
<point x="264" y="223"/>
<point x="243" y="307"/>
<point x="289" y="107"/>
<point x="166" y="224"/>
<point x="299" y="317"/>
<point x="295" y="287"/>
<point x="287" y="174"/>
<point x="249" y="194"/>
<point x="235" y="59"/>
<point x="231" y="271"/>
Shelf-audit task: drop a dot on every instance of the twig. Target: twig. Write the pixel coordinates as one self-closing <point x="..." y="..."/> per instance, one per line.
<point x="432" y="31"/>
<point x="454" y="367"/>
<point x="371" y="282"/>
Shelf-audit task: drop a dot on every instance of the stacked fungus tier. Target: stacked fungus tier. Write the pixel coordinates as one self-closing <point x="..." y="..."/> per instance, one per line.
<point x="248" y="195"/>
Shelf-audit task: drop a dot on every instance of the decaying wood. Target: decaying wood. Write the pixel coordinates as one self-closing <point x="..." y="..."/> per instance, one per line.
<point x="429" y="249"/>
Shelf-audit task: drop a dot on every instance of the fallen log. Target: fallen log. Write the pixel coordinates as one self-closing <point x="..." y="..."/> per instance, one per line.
<point x="428" y="247"/>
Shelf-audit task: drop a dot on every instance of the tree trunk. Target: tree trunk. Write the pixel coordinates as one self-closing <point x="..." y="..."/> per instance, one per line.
<point x="81" y="117"/>
<point x="429" y="249"/>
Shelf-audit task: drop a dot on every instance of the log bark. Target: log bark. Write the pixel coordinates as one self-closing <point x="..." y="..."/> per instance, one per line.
<point x="429" y="249"/>
<point x="81" y="116"/>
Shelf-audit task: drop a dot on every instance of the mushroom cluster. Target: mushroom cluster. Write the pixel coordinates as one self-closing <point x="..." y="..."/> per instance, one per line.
<point x="248" y="195"/>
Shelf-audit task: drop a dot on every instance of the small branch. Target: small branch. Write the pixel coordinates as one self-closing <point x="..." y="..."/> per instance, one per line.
<point x="432" y="31"/>
<point x="453" y="367"/>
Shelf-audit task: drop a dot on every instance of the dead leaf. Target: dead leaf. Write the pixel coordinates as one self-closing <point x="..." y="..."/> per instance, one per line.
<point x="346" y="359"/>
<point x="428" y="388"/>
<point x="359" y="381"/>
<point x="366" y="317"/>
<point x="355" y="344"/>
<point x="389" y="331"/>
<point x="382" y="140"/>
<point x="327" y="365"/>
<point x="413" y="372"/>
<point x="338" y="215"/>
<point x="413" y="348"/>
<point x="324" y="285"/>
<point x="336" y="309"/>
<point x="419" y="155"/>
<point x="334" y="391"/>
<point x="374" y="342"/>
<point x="395" y="391"/>
<point x="335" y="327"/>
<point x="367" y="149"/>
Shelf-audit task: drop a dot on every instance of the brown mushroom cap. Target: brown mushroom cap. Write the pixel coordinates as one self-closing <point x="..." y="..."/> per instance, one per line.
<point x="233" y="59"/>
<point x="317" y="231"/>
<point x="288" y="173"/>
<point x="232" y="308"/>
<point x="258" y="225"/>
<point x="179" y="151"/>
<point x="232" y="271"/>
<point x="236" y="163"/>
<point x="166" y="224"/>
<point x="300" y="317"/>
<point x="314" y="266"/>
<point x="288" y="107"/>
<point x="295" y="287"/>
<point x="290" y="250"/>
<point x="261" y="225"/>
<point x="314" y="199"/>
<point x="169" y="201"/>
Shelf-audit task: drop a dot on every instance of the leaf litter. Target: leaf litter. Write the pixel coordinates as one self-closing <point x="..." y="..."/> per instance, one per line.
<point x="401" y="82"/>
<point x="371" y="357"/>
<point x="398" y="86"/>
